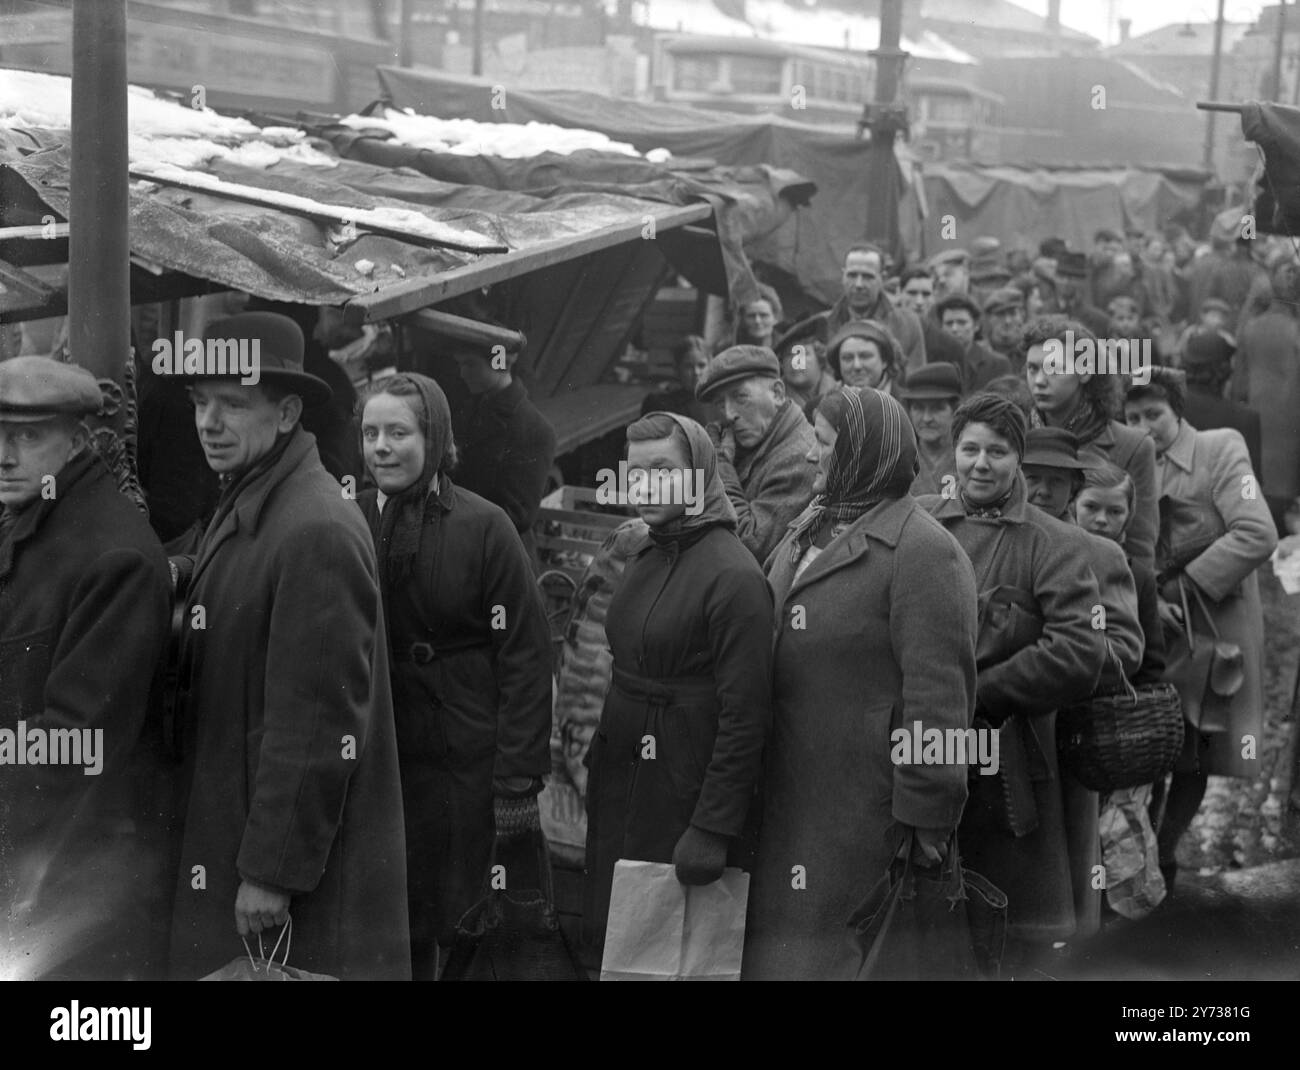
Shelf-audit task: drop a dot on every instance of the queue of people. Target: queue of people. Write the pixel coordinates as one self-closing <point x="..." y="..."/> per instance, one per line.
<point x="353" y="730"/>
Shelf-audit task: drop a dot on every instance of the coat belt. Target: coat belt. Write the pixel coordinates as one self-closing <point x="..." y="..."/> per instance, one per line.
<point x="422" y="652"/>
<point x="664" y="689"/>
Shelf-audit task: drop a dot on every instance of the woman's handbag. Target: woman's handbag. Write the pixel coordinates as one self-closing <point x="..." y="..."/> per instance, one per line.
<point x="931" y="923"/>
<point x="1123" y="740"/>
<point x="264" y="967"/>
<point x="513" y="936"/>
<point x="1209" y="672"/>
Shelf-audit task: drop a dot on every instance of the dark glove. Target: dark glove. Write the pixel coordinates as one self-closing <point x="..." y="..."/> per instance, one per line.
<point x="700" y="857"/>
<point x="514" y="817"/>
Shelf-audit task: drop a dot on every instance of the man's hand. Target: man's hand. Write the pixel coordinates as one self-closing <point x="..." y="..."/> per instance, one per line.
<point x="700" y="857"/>
<point x="930" y="846"/>
<point x="1171" y="616"/>
<point x="259" y="908"/>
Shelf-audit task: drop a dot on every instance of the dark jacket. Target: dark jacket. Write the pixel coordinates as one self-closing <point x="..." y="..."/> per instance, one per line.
<point x="479" y="709"/>
<point x="691" y="634"/>
<point x="771" y="484"/>
<point x="1037" y="652"/>
<point x="1206" y="411"/>
<point x="83" y="619"/>
<point x="506" y="451"/>
<point x="876" y="633"/>
<point x="980" y="366"/>
<point x="289" y="731"/>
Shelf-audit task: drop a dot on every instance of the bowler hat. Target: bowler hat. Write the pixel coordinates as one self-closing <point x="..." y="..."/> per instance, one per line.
<point x="1204" y="347"/>
<point x="734" y="364"/>
<point x="277" y="342"/>
<point x="1052" y="447"/>
<point x="939" y="381"/>
<point x="37" y="388"/>
<point x="1002" y="299"/>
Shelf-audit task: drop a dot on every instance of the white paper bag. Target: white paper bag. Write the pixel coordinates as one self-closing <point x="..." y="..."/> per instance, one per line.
<point x="662" y="930"/>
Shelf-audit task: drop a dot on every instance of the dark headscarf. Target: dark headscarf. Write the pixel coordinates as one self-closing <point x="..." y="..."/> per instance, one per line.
<point x="874" y="459"/>
<point x="703" y="458"/>
<point x="402" y="520"/>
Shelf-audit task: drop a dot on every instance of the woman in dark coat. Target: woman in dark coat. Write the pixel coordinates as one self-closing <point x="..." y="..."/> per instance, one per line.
<point x="1037" y="651"/>
<point x="876" y="630"/>
<point x="470" y="652"/>
<point x="676" y="757"/>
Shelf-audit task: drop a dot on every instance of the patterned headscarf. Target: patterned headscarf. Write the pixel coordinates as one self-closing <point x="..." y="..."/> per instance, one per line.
<point x="874" y="459"/>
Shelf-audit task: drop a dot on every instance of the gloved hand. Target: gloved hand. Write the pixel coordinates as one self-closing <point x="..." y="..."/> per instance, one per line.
<point x="700" y="857"/>
<point x="513" y="817"/>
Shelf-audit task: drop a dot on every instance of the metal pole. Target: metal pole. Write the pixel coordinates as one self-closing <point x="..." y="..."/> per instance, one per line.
<point x="1277" y="51"/>
<point x="885" y="120"/>
<point x="1215" y="64"/>
<point x="99" y="279"/>
<point x="404" y="34"/>
<point x="478" y="37"/>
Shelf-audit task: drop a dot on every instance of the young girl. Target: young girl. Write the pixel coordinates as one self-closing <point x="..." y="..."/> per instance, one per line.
<point x="1134" y="883"/>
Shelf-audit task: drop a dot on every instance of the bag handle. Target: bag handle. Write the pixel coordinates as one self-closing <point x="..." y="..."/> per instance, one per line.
<point x="1130" y="691"/>
<point x="1183" y="584"/>
<point x="286" y="935"/>
<point x="949" y="868"/>
<point x="544" y="876"/>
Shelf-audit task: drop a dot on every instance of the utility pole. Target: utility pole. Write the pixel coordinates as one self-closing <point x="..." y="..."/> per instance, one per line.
<point x="1215" y="64"/>
<point x="404" y="33"/>
<point x="885" y="117"/>
<point x="478" y="37"/>
<point x="1277" y="51"/>
<point x="99" y="254"/>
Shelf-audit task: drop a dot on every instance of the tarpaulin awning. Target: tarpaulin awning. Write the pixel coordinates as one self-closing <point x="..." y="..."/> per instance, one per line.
<point x="1275" y="128"/>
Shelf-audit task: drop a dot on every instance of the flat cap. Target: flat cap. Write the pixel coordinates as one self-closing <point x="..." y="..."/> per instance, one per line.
<point x="36" y="388"/>
<point x="949" y="256"/>
<point x="734" y="364"/>
<point x="934" y="382"/>
<point x="1003" y="298"/>
<point x="984" y="246"/>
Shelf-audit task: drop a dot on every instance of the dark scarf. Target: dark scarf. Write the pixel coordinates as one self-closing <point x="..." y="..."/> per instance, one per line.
<point x="231" y="486"/>
<point x="1087" y="423"/>
<point x="874" y="459"/>
<point x="685" y="530"/>
<point x="399" y="526"/>
<point x="19" y="526"/>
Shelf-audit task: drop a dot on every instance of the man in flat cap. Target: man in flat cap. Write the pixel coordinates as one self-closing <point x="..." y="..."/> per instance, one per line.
<point x="295" y="806"/>
<point x="84" y="599"/>
<point x="1004" y="320"/>
<point x="763" y="443"/>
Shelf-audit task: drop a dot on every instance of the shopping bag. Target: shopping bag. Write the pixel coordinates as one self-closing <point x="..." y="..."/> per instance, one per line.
<point x="264" y="967"/>
<point x="921" y="924"/>
<point x="514" y="935"/>
<point x="662" y="930"/>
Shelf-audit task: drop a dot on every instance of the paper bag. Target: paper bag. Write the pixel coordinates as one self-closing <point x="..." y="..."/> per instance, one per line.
<point x="662" y="930"/>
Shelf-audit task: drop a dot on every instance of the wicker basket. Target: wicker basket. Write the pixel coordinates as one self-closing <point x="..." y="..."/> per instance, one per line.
<point x="1122" y="741"/>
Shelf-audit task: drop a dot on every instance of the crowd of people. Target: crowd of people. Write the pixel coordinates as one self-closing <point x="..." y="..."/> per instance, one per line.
<point x="331" y="704"/>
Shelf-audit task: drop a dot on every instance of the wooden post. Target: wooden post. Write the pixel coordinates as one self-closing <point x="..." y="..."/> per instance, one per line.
<point x="1215" y="64"/>
<point x="478" y="37"/>
<point x="885" y="118"/>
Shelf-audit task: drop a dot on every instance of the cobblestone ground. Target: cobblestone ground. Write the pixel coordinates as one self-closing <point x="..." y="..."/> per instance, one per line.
<point x="1245" y="823"/>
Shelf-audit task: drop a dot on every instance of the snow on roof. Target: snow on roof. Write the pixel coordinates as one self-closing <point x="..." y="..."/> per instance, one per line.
<point x="776" y="20"/>
<point x="160" y="131"/>
<point x="469" y="137"/>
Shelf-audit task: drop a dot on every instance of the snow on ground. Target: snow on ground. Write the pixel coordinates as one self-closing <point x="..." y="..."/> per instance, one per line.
<point x="469" y="137"/>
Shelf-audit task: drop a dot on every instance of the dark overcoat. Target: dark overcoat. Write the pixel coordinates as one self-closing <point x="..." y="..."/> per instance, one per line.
<point x="690" y="629"/>
<point x="877" y="633"/>
<point x="83" y="618"/>
<point x="479" y="709"/>
<point x="1038" y="651"/>
<point x="289" y="732"/>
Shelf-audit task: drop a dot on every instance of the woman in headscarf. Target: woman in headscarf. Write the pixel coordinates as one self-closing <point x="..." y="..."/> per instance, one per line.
<point x="864" y="353"/>
<point x="1037" y="651"/>
<point x="676" y="758"/>
<point x="470" y="659"/>
<point x="875" y="632"/>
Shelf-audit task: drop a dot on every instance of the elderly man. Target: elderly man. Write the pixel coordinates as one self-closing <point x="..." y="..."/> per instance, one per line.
<point x="865" y="299"/>
<point x="763" y="444"/>
<point x="295" y="807"/>
<point x="1267" y="379"/>
<point x="959" y="316"/>
<point x="84" y="598"/>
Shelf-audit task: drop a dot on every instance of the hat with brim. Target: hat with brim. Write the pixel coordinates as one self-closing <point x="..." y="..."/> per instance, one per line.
<point x="1004" y="300"/>
<point x="1053" y="447"/>
<point x="939" y="381"/>
<point x="1207" y="347"/>
<point x="41" y="388"/>
<point x="735" y="364"/>
<point x="271" y="342"/>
